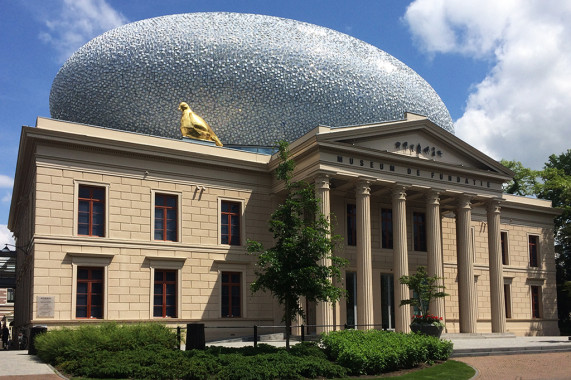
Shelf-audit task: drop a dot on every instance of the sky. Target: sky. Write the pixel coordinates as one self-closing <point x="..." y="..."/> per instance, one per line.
<point x="503" y="68"/>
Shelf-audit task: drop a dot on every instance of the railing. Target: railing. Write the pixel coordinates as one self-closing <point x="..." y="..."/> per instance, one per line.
<point x="255" y="328"/>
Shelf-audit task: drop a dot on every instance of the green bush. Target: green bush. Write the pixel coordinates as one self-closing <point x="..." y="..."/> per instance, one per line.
<point x="373" y="352"/>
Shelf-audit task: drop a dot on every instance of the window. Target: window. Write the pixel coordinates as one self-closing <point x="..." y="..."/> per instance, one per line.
<point x="504" y="240"/>
<point x="166" y="217"/>
<point x="533" y="253"/>
<point x="230" y="223"/>
<point x="351" y="286"/>
<point x="91" y="211"/>
<point x="89" y="298"/>
<point x="507" y="300"/>
<point x="165" y="294"/>
<point x="351" y="224"/>
<point x="535" y="301"/>
<point x="387" y="228"/>
<point x="10" y="295"/>
<point x="231" y="294"/>
<point x="419" y="230"/>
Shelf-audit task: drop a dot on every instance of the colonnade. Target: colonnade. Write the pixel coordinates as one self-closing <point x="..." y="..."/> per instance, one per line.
<point x="465" y="259"/>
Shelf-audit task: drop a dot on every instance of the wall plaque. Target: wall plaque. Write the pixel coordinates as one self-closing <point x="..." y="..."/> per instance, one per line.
<point x="45" y="307"/>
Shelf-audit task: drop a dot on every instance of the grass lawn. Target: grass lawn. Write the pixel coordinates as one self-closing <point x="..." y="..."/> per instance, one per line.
<point x="450" y="369"/>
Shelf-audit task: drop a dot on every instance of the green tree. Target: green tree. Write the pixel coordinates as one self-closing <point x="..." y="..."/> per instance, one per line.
<point x="525" y="180"/>
<point x="424" y="289"/>
<point x="291" y="269"/>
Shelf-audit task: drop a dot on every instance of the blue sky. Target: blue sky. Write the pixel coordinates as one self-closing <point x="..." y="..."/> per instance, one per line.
<point x="503" y="68"/>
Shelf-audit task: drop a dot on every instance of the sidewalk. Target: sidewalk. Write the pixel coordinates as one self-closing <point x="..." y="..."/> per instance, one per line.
<point x="17" y="364"/>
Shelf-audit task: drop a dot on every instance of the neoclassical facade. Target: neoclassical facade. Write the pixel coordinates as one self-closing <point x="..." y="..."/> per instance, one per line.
<point x="123" y="226"/>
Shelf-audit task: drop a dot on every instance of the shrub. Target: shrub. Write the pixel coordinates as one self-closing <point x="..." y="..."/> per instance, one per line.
<point x="373" y="352"/>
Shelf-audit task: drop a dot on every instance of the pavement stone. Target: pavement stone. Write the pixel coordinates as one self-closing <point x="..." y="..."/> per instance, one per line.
<point x="17" y="364"/>
<point x="548" y="366"/>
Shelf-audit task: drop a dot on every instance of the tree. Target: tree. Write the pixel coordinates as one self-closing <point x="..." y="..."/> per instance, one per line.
<point x="525" y="180"/>
<point x="291" y="269"/>
<point x="552" y="183"/>
<point x="424" y="289"/>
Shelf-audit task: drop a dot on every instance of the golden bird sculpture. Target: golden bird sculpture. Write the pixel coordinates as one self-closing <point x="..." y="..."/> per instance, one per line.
<point x="193" y="126"/>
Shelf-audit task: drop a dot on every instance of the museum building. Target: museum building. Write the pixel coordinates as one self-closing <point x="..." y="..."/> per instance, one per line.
<point x="120" y="215"/>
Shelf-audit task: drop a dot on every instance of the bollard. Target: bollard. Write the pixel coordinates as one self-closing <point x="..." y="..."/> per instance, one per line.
<point x="195" y="336"/>
<point x="34" y="332"/>
<point x="255" y="336"/>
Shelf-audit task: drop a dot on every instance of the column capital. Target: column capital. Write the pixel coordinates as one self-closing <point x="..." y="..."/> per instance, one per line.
<point x="464" y="201"/>
<point x="322" y="181"/>
<point x="363" y="187"/>
<point x="433" y="197"/>
<point x="494" y="206"/>
<point x="399" y="192"/>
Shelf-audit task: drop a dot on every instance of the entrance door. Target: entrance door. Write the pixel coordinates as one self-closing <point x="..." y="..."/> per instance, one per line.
<point x="351" y="284"/>
<point x="387" y="301"/>
<point x="310" y="318"/>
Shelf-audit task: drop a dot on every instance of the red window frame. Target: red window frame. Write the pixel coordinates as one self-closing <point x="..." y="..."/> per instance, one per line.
<point x="387" y="228"/>
<point x="166" y="205"/>
<point x="351" y="224"/>
<point x="419" y="230"/>
<point x="533" y="254"/>
<point x="91" y="294"/>
<point x="231" y="294"/>
<point x="95" y="200"/>
<point x="535" y="301"/>
<point x="230" y="221"/>
<point x="504" y="243"/>
<point x="162" y="308"/>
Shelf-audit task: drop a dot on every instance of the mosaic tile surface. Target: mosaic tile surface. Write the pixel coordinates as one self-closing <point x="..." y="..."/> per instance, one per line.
<point x="255" y="79"/>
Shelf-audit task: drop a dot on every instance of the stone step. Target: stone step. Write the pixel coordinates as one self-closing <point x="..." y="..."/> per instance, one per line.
<point x="508" y="351"/>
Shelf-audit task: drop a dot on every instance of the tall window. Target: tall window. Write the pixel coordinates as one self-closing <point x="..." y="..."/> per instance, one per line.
<point x="230" y="223"/>
<point x="533" y="253"/>
<point x="10" y="295"/>
<point x="351" y="224"/>
<point x="419" y="231"/>
<point x="165" y="294"/>
<point x="507" y="299"/>
<point x="504" y="239"/>
<point x="231" y="294"/>
<point x="91" y="211"/>
<point x="165" y="217"/>
<point x="387" y="228"/>
<point x="89" y="301"/>
<point x="535" y="301"/>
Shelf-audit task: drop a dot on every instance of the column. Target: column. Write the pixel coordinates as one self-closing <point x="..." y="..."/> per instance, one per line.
<point x="400" y="259"/>
<point x="323" y="310"/>
<point x="364" y="260"/>
<point x="434" y="247"/>
<point x="466" y="289"/>
<point x="496" y="268"/>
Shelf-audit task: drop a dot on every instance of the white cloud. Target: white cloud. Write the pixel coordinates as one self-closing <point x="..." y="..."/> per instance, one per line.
<point x="75" y="22"/>
<point x="521" y="109"/>
<point x="6" y="181"/>
<point x="5" y="236"/>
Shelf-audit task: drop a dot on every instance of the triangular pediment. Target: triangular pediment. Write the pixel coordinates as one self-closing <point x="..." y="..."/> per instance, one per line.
<point x="417" y="140"/>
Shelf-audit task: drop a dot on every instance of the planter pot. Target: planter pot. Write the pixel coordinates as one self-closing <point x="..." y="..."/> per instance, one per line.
<point x="427" y="329"/>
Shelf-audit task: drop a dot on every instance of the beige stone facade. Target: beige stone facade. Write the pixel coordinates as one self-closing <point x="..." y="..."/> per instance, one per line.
<point x="444" y="196"/>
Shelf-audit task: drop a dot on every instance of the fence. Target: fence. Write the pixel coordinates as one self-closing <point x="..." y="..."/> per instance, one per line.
<point x="256" y="330"/>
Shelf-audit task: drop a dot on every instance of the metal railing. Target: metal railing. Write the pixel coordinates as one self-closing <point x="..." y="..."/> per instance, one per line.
<point x="302" y="328"/>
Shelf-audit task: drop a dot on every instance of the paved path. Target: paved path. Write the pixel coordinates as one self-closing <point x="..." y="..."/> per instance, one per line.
<point x="549" y="366"/>
<point x="16" y="364"/>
